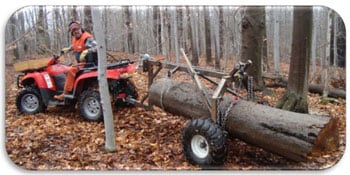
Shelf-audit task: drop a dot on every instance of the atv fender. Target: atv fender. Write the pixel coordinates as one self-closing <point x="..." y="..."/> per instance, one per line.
<point x="111" y="74"/>
<point x="41" y="79"/>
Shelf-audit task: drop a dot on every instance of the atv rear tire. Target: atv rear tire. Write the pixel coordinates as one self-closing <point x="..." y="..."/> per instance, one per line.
<point x="90" y="105"/>
<point x="29" y="101"/>
<point x="204" y="143"/>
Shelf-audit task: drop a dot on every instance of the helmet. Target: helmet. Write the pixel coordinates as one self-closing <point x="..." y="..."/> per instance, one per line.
<point x="146" y="56"/>
<point x="74" y="25"/>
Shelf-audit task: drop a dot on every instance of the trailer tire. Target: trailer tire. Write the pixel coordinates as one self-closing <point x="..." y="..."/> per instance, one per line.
<point x="204" y="143"/>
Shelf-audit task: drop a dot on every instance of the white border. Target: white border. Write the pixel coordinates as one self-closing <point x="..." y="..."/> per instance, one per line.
<point x="9" y="7"/>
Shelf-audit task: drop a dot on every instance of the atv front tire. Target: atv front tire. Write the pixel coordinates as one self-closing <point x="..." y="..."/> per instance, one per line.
<point x="90" y="105"/>
<point x="204" y="143"/>
<point x="29" y="101"/>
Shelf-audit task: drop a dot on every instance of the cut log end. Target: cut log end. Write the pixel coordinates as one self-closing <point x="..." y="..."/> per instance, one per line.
<point x="327" y="139"/>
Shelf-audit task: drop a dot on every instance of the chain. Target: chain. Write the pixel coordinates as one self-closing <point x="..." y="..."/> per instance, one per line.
<point x="164" y="90"/>
<point x="250" y="88"/>
<point x="222" y="119"/>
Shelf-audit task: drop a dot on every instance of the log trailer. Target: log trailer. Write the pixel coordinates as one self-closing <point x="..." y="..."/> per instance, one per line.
<point x="204" y="139"/>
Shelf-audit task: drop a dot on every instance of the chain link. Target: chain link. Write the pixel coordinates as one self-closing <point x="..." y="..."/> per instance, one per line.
<point x="222" y="119"/>
<point x="250" y="88"/>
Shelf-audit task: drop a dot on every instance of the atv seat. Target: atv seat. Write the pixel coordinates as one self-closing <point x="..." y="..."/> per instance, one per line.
<point x="115" y="65"/>
<point x="86" y="70"/>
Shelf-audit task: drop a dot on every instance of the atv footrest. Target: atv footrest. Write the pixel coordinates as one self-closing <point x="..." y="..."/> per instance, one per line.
<point x="55" y="103"/>
<point x="68" y="96"/>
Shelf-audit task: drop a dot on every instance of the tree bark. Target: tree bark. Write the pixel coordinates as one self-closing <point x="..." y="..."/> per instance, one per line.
<point x="87" y="19"/>
<point x="253" y="28"/>
<point x="295" y="98"/>
<point x="103" y="84"/>
<point x="276" y="39"/>
<point x="207" y="36"/>
<point x="129" y="28"/>
<point x="192" y="37"/>
<point x="291" y="135"/>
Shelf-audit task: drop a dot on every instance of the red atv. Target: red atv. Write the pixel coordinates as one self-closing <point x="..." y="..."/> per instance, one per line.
<point x="40" y="86"/>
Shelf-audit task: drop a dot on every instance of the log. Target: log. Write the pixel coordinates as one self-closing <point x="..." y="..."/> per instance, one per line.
<point x="313" y="88"/>
<point x="30" y="64"/>
<point x="291" y="135"/>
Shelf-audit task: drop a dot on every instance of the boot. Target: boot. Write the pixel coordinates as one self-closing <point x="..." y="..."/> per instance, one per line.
<point x="59" y="97"/>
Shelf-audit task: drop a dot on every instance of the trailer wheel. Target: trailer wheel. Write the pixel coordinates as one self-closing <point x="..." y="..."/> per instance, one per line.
<point x="204" y="143"/>
<point x="90" y="105"/>
<point x="29" y="101"/>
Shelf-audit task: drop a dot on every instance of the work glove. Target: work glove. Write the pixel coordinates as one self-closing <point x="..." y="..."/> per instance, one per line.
<point x="237" y="75"/>
<point x="65" y="50"/>
<point x="83" y="55"/>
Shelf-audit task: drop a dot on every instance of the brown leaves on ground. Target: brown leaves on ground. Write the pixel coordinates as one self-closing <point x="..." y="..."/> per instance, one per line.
<point x="146" y="140"/>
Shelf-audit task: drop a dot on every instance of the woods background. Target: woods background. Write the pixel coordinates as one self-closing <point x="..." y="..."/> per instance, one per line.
<point x="161" y="30"/>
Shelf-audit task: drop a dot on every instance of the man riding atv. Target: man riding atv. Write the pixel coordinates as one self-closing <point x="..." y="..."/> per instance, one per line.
<point x="57" y="84"/>
<point x="85" y="51"/>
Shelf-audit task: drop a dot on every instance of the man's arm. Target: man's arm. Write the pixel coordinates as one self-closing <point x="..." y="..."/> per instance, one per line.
<point x="91" y="45"/>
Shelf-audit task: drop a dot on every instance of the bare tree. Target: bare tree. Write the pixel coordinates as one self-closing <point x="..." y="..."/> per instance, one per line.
<point x="253" y="28"/>
<point x="276" y="39"/>
<point x="42" y="36"/>
<point x="295" y="98"/>
<point x="326" y="59"/>
<point x="207" y="36"/>
<point x="129" y="27"/>
<point x="192" y="36"/>
<point x="314" y="42"/>
<point x="176" y="36"/>
<point x="87" y="19"/>
<point x="102" y="80"/>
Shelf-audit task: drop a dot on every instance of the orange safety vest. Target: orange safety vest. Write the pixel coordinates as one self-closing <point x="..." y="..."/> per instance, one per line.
<point x="78" y="44"/>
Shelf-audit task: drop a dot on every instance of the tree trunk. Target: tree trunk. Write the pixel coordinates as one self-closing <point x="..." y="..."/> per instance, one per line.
<point x="314" y="43"/>
<point x="276" y="39"/>
<point x="41" y="33"/>
<point x="164" y="31"/>
<point x="102" y="81"/>
<point x="216" y="37"/>
<point x="253" y="28"/>
<point x="13" y="36"/>
<point x="192" y="36"/>
<point x="221" y="31"/>
<point x="326" y="59"/>
<point x="157" y="29"/>
<point x="207" y="36"/>
<point x="291" y="135"/>
<point x="295" y="98"/>
<point x="87" y="19"/>
<point x="341" y="42"/>
<point x="176" y="37"/>
<point x="130" y="28"/>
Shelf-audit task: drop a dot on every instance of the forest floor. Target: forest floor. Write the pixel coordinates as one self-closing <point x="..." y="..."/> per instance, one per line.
<point x="60" y="139"/>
